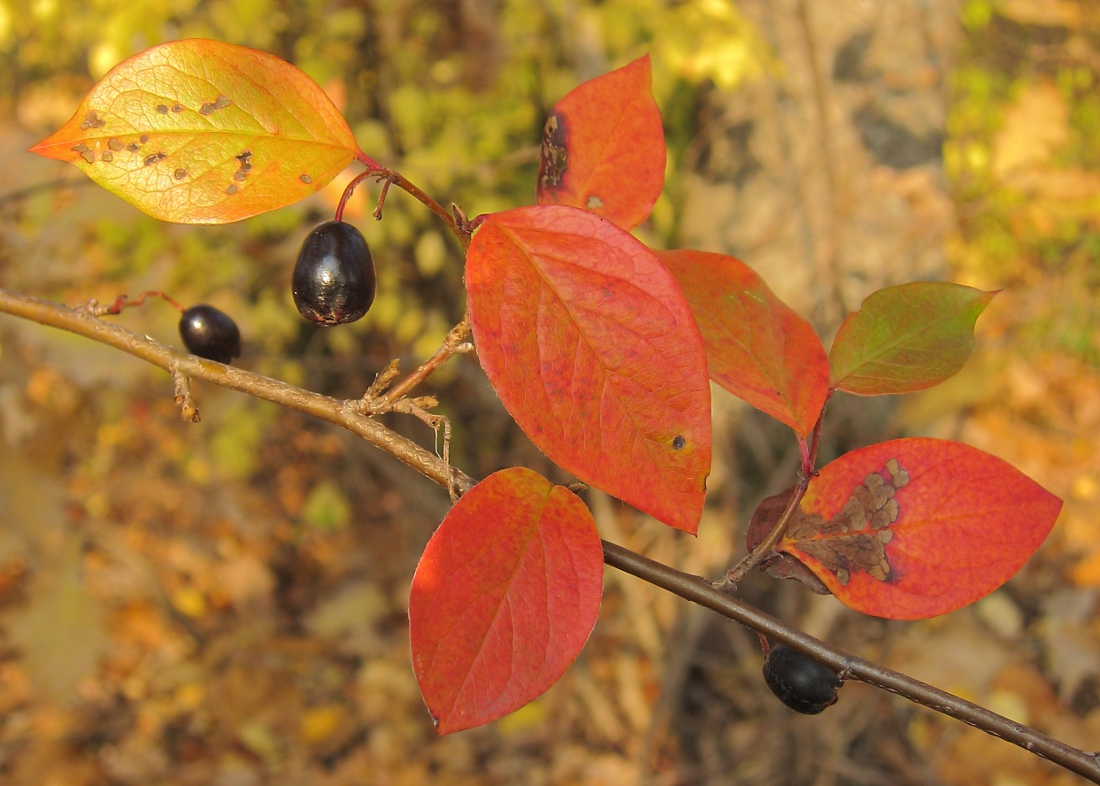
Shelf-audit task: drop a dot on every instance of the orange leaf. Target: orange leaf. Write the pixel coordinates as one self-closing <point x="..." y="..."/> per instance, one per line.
<point x="591" y="346"/>
<point x="504" y="598"/>
<point x="758" y="348"/>
<point x="201" y="132"/>
<point x="603" y="147"/>
<point x="914" y="528"/>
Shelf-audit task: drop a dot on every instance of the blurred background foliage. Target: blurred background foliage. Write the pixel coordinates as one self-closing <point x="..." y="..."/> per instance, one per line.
<point x="225" y="603"/>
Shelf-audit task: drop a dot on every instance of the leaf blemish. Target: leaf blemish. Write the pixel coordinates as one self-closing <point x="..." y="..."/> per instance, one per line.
<point x="107" y="156"/>
<point x="246" y="165"/>
<point x="88" y="156"/>
<point x="114" y="143"/>
<point x="92" y="120"/>
<point x="133" y="147"/>
<point x="855" y="538"/>
<point x="594" y="202"/>
<point x="144" y="138"/>
<point x="231" y="190"/>
<point x="177" y="108"/>
<point x="210" y="107"/>
<point x="305" y="179"/>
<point x="554" y="153"/>
<point x="180" y="174"/>
<point x="162" y="108"/>
<point x="154" y="158"/>
<point x="678" y="442"/>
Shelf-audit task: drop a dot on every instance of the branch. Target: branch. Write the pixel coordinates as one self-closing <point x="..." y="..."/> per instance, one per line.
<point x="693" y="588"/>
<point x="701" y="591"/>
<point x="342" y="413"/>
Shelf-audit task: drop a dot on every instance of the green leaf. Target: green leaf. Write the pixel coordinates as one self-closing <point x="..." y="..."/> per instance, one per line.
<point x="906" y="338"/>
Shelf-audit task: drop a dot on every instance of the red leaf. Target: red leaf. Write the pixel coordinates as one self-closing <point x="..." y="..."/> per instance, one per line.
<point x="591" y="346"/>
<point x="202" y="132"/>
<point x="504" y="598"/>
<point x="758" y="348"/>
<point x="914" y="528"/>
<point x="906" y="338"/>
<point x="603" y="147"/>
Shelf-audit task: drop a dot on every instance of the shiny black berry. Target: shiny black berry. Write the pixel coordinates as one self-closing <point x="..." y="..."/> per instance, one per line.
<point x="334" y="278"/>
<point x="210" y="333"/>
<point x="803" y="684"/>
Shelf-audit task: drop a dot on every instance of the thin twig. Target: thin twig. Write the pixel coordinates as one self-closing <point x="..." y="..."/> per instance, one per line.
<point x="765" y="548"/>
<point x="694" y="588"/>
<point x="342" y="413"/>
<point x="455" y="343"/>
<point x="188" y="410"/>
<point x="699" y="590"/>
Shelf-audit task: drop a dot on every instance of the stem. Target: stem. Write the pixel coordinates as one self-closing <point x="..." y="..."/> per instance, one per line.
<point x="349" y="190"/>
<point x="381" y="172"/>
<point x="342" y="413"/>
<point x="451" y="346"/>
<point x="693" y="588"/>
<point x="764" y="548"/>
<point x="699" y="590"/>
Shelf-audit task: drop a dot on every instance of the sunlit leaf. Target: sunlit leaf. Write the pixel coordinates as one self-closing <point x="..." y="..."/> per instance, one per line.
<point x="906" y="338"/>
<point x="504" y="598"/>
<point x="758" y="348"/>
<point x="603" y="147"/>
<point x="914" y="528"/>
<point x="201" y="132"/>
<point x="591" y="346"/>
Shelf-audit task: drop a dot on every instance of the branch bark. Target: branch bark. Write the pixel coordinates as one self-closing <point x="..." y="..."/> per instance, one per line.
<point x="345" y="413"/>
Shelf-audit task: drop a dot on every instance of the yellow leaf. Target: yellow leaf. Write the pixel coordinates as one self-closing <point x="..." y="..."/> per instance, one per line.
<point x="201" y="132"/>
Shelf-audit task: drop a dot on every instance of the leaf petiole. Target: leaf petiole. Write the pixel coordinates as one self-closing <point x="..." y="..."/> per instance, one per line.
<point x="766" y="547"/>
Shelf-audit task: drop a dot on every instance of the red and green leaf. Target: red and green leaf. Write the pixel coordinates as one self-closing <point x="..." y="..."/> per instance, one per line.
<point x="504" y="598"/>
<point x="201" y="132"/>
<point x="592" y="348"/>
<point x="906" y="338"/>
<point x="758" y="348"/>
<point x="914" y="528"/>
<point x="603" y="147"/>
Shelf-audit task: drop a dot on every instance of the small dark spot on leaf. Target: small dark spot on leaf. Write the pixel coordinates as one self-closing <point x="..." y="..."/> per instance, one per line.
<point x="162" y="108"/>
<point x="231" y="190"/>
<point x="594" y="202"/>
<point x="305" y="179"/>
<point x="154" y="158"/>
<point x="210" y="107"/>
<point x="243" y="157"/>
<point x="180" y="174"/>
<point x="177" y="108"/>
<point x="92" y="120"/>
<point x="133" y="147"/>
<point x="107" y="156"/>
<point x="114" y="143"/>
<point x="144" y="138"/>
<point x="678" y="442"/>
<point x="80" y="148"/>
<point x="88" y="156"/>
<point x="239" y="176"/>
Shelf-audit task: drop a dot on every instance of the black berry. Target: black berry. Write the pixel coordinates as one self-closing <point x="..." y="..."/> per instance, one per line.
<point x="803" y="684"/>
<point x="210" y="333"/>
<point x="334" y="277"/>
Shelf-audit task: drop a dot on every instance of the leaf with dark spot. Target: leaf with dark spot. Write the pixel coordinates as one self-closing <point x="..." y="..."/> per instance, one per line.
<point x="280" y="116"/>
